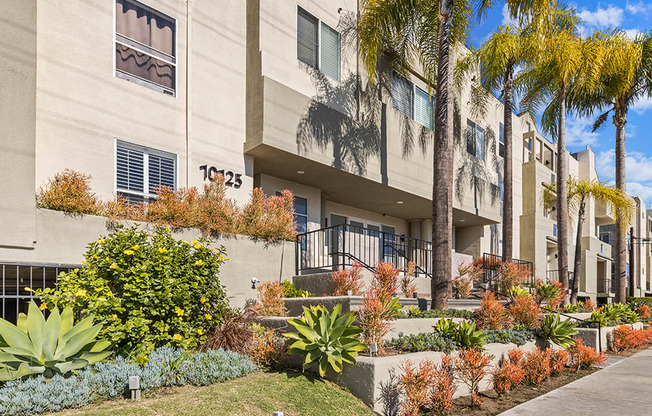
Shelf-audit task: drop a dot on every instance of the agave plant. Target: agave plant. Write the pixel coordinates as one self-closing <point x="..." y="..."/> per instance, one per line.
<point x="517" y="291"/>
<point x="558" y="331"/>
<point x="467" y="336"/>
<point x="446" y="327"/>
<point x="326" y="339"/>
<point x="55" y="346"/>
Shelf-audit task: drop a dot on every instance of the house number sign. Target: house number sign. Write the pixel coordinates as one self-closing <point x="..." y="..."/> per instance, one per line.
<point x="230" y="178"/>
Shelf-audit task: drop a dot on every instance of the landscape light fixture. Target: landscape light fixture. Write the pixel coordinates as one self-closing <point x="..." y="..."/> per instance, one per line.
<point x="301" y="172"/>
<point x="134" y="387"/>
<point x="373" y="349"/>
<point x="254" y="282"/>
<point x="277" y="414"/>
<point x="399" y="202"/>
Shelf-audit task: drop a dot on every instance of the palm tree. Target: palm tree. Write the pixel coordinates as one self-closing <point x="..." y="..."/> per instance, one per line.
<point x="580" y="191"/>
<point x="496" y="62"/>
<point x="625" y="77"/>
<point x="425" y="33"/>
<point x="557" y="61"/>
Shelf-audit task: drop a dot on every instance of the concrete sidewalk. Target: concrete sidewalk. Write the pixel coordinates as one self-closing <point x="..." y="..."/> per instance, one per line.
<point x="622" y="389"/>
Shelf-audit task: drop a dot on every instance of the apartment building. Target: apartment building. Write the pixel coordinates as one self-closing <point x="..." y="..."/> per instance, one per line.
<point x="271" y="94"/>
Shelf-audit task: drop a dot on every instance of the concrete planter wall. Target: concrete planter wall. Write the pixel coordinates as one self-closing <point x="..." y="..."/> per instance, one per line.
<point x="62" y="239"/>
<point x="365" y="378"/>
<point x="600" y="340"/>
<point x="294" y="306"/>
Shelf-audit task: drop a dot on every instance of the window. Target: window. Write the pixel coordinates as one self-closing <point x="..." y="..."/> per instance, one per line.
<point x="300" y="207"/>
<point x="554" y="230"/>
<point x="145" y="50"/>
<point x="501" y="140"/>
<point x="412" y="101"/>
<point x="527" y="150"/>
<point x="140" y="171"/>
<point x="475" y="140"/>
<point x="318" y="45"/>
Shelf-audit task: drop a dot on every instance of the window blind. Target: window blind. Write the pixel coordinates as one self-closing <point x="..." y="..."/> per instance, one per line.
<point x="307" y="46"/>
<point x="129" y="169"/>
<point x="161" y="172"/>
<point x="330" y="52"/>
<point x="479" y="142"/>
<point x="402" y="95"/>
<point x="423" y="106"/>
<point x="501" y="141"/>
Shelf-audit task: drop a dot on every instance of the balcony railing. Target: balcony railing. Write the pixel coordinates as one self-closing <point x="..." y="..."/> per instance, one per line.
<point x="340" y="246"/>
<point x="554" y="276"/>
<point x="491" y="264"/>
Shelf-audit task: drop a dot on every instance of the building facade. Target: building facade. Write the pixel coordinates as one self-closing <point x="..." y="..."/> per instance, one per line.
<point x="272" y="94"/>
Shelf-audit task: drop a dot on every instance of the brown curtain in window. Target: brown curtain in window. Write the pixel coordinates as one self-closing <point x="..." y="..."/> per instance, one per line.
<point x="144" y="66"/>
<point x="137" y="23"/>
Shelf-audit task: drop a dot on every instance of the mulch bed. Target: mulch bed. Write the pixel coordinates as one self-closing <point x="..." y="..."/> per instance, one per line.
<point x="495" y="404"/>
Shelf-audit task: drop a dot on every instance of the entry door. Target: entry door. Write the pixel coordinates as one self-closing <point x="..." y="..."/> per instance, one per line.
<point x="389" y="245"/>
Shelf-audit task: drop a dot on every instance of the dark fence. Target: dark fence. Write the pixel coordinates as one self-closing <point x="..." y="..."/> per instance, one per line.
<point x="491" y="267"/>
<point x="16" y="278"/>
<point x="340" y="246"/>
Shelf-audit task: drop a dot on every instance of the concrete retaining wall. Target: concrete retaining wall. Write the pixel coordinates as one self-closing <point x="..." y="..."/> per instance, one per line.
<point x="294" y="306"/>
<point x="62" y="239"/>
<point x="365" y="378"/>
<point x="604" y="338"/>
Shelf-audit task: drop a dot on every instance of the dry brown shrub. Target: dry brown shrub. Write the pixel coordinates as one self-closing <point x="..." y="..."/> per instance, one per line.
<point x="234" y="334"/>
<point x="70" y="192"/>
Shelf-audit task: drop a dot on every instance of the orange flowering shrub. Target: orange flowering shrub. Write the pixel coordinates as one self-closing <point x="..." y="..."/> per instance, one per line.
<point x="491" y="314"/>
<point x="515" y="356"/>
<point x="407" y="281"/>
<point x="462" y="286"/>
<point x="625" y="337"/>
<point x="556" y="301"/>
<point x="68" y="191"/>
<point x="385" y="280"/>
<point x="644" y="311"/>
<point x="507" y="376"/>
<point x="536" y="366"/>
<point x="472" y="366"/>
<point x="269" y="217"/>
<point x="588" y="305"/>
<point x="525" y="311"/>
<point x="348" y="279"/>
<point x="270" y="295"/>
<point x="268" y="348"/>
<point x="511" y="275"/>
<point x="427" y="386"/>
<point x="443" y="389"/>
<point x="558" y="361"/>
<point x="584" y="357"/>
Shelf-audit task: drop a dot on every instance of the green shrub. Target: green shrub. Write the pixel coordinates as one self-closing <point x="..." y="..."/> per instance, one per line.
<point x="558" y="331"/>
<point x="291" y="291"/>
<point x="55" y="346"/>
<point x="147" y="290"/>
<point x="467" y="336"/>
<point x="414" y="312"/>
<point x="326" y="339"/>
<point x="506" y="336"/>
<point x="425" y="341"/>
<point x="613" y="315"/>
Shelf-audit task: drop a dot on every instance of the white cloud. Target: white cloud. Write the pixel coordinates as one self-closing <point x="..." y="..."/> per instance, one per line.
<point x="639" y="8"/>
<point x="642" y="105"/>
<point x="638" y="170"/>
<point x="507" y="19"/>
<point x="601" y="18"/>
<point x="631" y="33"/>
<point x="578" y="132"/>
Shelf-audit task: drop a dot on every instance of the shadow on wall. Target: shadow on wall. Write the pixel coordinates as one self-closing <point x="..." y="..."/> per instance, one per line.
<point x="350" y="117"/>
<point x="481" y="174"/>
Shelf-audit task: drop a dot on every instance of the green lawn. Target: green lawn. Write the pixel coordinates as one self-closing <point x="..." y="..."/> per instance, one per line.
<point x="257" y="394"/>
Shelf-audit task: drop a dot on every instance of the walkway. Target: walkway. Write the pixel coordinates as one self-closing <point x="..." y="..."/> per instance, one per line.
<point x="624" y="388"/>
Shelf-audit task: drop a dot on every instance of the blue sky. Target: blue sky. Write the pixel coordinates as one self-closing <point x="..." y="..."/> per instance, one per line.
<point x="632" y="16"/>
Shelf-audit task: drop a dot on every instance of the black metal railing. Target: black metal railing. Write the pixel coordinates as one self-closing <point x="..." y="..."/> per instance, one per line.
<point x="340" y="246"/>
<point x="17" y="278"/>
<point x="491" y="267"/>
<point x="554" y="276"/>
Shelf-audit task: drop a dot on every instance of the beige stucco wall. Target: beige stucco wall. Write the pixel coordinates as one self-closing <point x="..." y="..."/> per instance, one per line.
<point x="18" y="124"/>
<point x="82" y="108"/>
<point x="62" y="239"/>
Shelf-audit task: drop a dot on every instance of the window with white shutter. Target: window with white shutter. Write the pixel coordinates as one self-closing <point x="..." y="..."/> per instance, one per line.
<point x="423" y="108"/>
<point x="318" y="45"/>
<point x="141" y="171"/>
<point x="402" y="95"/>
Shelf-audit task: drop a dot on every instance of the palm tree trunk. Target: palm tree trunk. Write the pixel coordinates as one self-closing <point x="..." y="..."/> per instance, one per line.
<point x="442" y="188"/>
<point x="620" y="118"/>
<point x="577" y="268"/>
<point x="508" y="198"/>
<point x="562" y="195"/>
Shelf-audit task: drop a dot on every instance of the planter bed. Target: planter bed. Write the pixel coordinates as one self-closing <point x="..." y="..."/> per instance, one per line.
<point x="591" y="336"/>
<point x="349" y="303"/>
<point x="365" y="378"/>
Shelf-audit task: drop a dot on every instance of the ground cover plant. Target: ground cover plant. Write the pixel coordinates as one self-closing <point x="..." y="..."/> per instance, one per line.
<point x="146" y="289"/>
<point x="166" y="366"/>
<point x="414" y="312"/>
<point x="265" y="217"/>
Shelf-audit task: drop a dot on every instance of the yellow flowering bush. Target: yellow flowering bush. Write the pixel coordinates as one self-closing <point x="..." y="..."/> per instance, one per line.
<point x="147" y="290"/>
